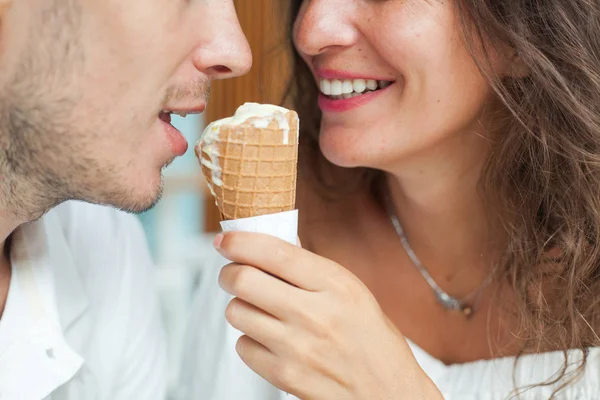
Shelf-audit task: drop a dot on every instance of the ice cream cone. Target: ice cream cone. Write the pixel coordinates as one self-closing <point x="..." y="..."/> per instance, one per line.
<point x="251" y="165"/>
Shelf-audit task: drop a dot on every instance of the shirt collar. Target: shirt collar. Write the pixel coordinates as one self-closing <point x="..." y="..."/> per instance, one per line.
<point x="70" y="295"/>
<point x="54" y="299"/>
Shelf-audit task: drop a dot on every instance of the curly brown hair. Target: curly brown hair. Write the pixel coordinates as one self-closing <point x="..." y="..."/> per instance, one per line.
<point x="542" y="176"/>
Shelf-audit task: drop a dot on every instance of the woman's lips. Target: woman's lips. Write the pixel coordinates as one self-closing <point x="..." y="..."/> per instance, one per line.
<point x="327" y="104"/>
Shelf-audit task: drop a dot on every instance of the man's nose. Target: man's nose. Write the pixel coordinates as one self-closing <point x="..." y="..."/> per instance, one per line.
<point x="223" y="51"/>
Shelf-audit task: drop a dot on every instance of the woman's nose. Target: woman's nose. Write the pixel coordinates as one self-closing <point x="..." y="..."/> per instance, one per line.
<point x="323" y="25"/>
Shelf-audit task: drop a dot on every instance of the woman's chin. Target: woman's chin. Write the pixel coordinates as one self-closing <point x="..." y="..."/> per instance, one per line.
<point x="345" y="151"/>
<point x="344" y="157"/>
<point x="349" y="148"/>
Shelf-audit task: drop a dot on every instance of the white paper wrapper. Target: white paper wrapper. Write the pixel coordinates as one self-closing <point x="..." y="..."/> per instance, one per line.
<point x="283" y="225"/>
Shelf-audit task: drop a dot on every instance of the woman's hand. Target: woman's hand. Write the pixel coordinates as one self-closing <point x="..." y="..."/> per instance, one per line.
<point x="311" y="327"/>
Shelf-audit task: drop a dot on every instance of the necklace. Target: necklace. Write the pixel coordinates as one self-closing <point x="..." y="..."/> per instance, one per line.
<point x="447" y="301"/>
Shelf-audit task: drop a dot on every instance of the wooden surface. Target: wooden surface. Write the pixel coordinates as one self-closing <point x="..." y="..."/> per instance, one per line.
<point x="263" y="26"/>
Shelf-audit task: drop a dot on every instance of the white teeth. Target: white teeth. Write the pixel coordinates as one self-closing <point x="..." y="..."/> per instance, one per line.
<point x="336" y="87"/>
<point x="181" y="114"/>
<point x="359" y="85"/>
<point x="347" y="87"/>
<point x="345" y="96"/>
<point x="326" y="87"/>
<point x="372" y="84"/>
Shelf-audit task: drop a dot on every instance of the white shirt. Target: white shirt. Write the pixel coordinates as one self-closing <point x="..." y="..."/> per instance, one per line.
<point x="212" y="369"/>
<point x="81" y="319"/>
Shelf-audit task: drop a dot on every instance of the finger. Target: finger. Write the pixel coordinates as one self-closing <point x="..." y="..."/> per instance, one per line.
<point x="254" y="323"/>
<point x="256" y="356"/>
<point x="260" y="289"/>
<point x="266" y="364"/>
<point x="279" y="258"/>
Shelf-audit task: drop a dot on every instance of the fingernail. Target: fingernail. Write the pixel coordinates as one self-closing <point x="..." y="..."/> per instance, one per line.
<point x="218" y="240"/>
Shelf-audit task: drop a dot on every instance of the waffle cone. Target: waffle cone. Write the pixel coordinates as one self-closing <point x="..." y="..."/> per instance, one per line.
<point x="257" y="169"/>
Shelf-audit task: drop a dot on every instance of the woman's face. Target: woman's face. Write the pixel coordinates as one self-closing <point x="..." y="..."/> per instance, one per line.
<point x="427" y="92"/>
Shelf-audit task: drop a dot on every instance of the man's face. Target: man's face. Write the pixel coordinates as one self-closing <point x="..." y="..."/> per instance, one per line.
<point x="84" y="85"/>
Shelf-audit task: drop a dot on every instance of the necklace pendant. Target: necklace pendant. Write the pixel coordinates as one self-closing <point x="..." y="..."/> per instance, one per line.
<point x="467" y="311"/>
<point x="452" y="303"/>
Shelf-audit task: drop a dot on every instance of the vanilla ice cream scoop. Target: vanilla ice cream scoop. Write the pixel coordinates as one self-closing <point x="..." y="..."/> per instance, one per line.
<point x="253" y="114"/>
<point x="250" y="160"/>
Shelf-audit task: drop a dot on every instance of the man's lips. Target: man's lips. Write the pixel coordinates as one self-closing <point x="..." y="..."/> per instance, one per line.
<point x="178" y="142"/>
<point x="183" y="111"/>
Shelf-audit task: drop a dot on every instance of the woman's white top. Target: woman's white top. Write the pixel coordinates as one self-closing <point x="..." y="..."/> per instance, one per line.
<point x="212" y="369"/>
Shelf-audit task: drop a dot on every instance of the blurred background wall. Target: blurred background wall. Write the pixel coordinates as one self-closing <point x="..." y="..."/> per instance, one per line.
<point x="181" y="227"/>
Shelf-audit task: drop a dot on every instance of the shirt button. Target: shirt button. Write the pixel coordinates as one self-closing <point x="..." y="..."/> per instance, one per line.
<point x="50" y="353"/>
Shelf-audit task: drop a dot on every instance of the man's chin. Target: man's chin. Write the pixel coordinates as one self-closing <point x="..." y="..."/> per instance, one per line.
<point x="133" y="200"/>
<point x="139" y="206"/>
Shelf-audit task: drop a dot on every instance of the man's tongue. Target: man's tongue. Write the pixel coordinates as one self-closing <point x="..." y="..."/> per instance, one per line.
<point x="179" y="144"/>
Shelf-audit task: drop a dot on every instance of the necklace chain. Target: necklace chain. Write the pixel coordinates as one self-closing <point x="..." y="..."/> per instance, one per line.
<point x="447" y="301"/>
